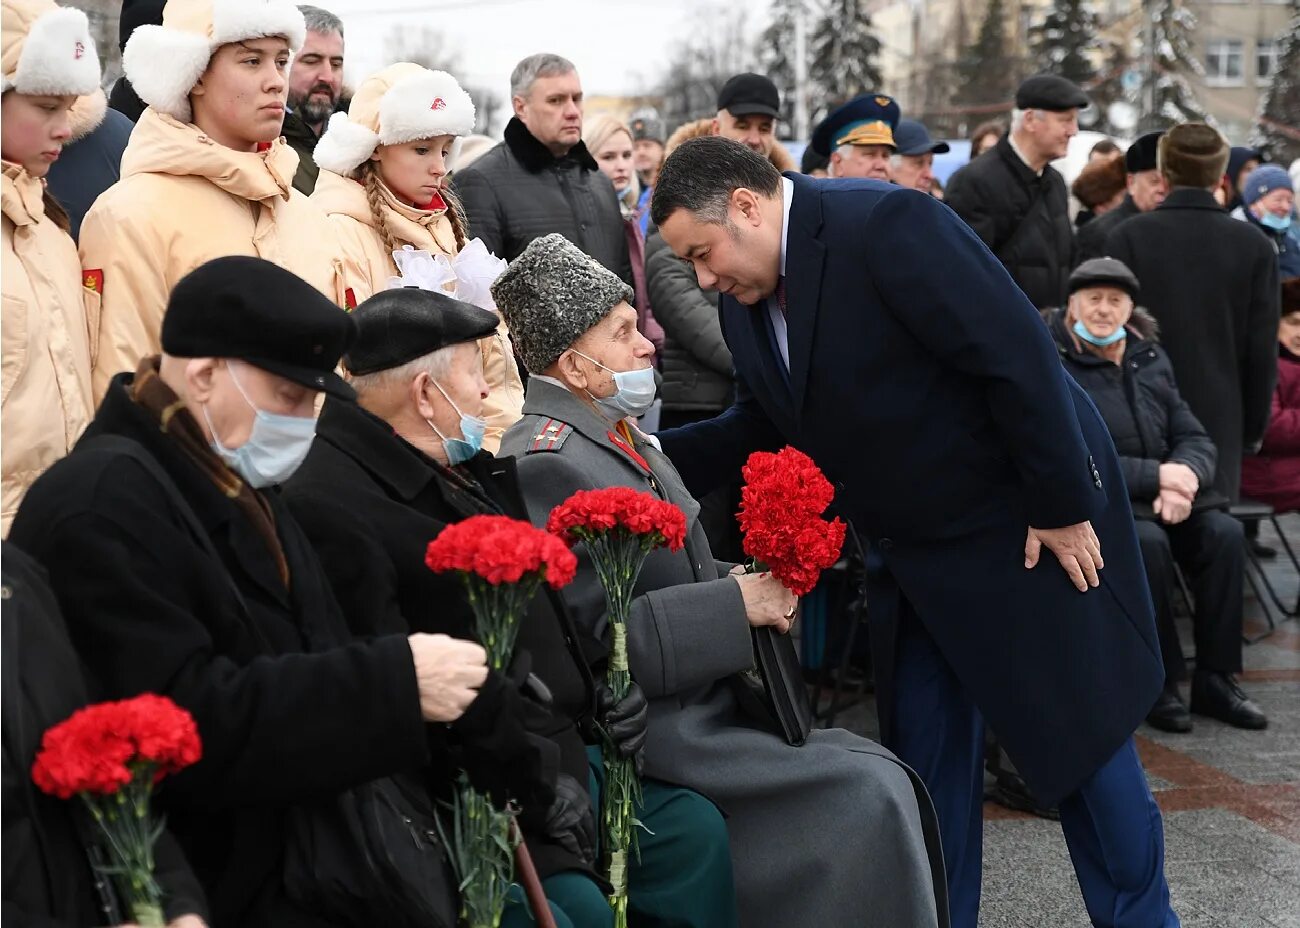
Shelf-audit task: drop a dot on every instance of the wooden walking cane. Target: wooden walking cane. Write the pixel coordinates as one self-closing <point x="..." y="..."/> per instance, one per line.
<point x="531" y="882"/>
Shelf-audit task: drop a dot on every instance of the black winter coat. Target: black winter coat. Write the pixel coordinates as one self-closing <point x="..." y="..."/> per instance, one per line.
<point x="48" y="882"/>
<point x="371" y="503"/>
<point x="1211" y="282"/>
<point x="1147" y="418"/>
<point x="303" y="141"/>
<point x="519" y="191"/>
<point x="1091" y="240"/>
<point x="995" y="194"/>
<point x="287" y="709"/>
<point x="696" y="362"/>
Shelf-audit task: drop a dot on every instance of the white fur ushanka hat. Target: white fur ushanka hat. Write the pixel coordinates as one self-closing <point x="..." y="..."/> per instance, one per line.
<point x="402" y="103"/>
<point x="163" y="63"/>
<point x="46" y="50"/>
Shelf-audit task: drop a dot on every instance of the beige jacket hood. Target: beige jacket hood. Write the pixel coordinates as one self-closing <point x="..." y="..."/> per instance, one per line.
<point x="183" y="200"/>
<point x="46" y="396"/>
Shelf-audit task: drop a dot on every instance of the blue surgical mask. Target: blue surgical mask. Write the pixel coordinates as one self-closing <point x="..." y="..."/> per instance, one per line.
<point x="275" y="448"/>
<point x="472" y="430"/>
<point x="634" y="391"/>
<point x="1101" y="342"/>
<point x="1275" y="222"/>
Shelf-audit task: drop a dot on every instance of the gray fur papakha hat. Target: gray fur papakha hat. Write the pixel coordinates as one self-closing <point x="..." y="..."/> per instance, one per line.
<point x="550" y="295"/>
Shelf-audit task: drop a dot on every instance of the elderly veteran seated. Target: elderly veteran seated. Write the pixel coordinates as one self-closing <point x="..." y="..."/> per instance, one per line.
<point x="1111" y="348"/>
<point x="835" y="833"/>
<point x="384" y="477"/>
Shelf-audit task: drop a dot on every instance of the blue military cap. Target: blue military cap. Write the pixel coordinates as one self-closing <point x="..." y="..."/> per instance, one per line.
<point x="912" y="138"/>
<point x="866" y="120"/>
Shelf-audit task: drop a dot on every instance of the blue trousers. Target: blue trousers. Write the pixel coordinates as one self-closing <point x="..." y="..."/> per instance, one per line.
<point x="1112" y="825"/>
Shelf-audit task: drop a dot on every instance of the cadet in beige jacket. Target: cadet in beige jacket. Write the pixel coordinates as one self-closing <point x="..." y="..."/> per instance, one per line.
<point x="48" y="60"/>
<point x="205" y="174"/>
<point x="382" y="182"/>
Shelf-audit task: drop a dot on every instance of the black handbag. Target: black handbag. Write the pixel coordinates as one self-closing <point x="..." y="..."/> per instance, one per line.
<point x="774" y="690"/>
<point x="371" y="856"/>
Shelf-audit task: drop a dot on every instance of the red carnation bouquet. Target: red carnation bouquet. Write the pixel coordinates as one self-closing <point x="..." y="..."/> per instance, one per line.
<point x="781" y="507"/>
<point x="502" y="562"/>
<point x="112" y="754"/>
<point x="620" y="527"/>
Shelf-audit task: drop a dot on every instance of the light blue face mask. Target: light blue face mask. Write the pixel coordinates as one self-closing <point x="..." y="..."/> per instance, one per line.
<point x="1275" y="222"/>
<point x="633" y="394"/>
<point x="1101" y="342"/>
<point x="275" y="448"/>
<point x="472" y="430"/>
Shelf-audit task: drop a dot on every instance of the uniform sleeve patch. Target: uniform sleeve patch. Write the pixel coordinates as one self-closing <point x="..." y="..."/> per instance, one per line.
<point x="93" y="280"/>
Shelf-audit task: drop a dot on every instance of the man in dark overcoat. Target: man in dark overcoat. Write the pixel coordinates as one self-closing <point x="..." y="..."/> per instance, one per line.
<point x="385" y="476"/>
<point x="1212" y="284"/>
<point x="930" y="393"/>
<point x="179" y="573"/>
<point x="1146" y="191"/>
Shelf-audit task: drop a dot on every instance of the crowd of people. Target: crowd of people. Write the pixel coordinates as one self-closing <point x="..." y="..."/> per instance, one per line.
<point x="264" y="338"/>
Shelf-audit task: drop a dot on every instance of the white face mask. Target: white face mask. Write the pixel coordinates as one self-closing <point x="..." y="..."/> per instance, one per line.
<point x="634" y="391"/>
<point x="275" y="448"/>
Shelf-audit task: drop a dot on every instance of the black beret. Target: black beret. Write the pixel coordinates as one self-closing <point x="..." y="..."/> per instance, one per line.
<point x="256" y="311"/>
<point x="1141" y="155"/>
<point x="1049" y="92"/>
<point x="1104" y="272"/>
<point x="397" y="326"/>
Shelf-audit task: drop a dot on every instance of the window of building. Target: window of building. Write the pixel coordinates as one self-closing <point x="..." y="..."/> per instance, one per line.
<point x="1224" y="62"/>
<point x="1266" y="52"/>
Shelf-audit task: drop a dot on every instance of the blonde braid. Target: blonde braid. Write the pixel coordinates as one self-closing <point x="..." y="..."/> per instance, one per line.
<point x="375" y="197"/>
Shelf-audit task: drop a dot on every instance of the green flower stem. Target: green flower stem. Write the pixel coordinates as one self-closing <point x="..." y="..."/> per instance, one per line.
<point x="129" y="831"/>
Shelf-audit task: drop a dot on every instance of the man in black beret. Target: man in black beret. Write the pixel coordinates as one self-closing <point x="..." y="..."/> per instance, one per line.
<point x="1015" y="200"/>
<point x="387" y="475"/>
<point x="1146" y="191"/>
<point x="179" y="574"/>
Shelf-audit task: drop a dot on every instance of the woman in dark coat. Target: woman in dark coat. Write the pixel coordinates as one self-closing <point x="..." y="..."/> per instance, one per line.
<point x="1168" y="461"/>
<point x="1273" y="475"/>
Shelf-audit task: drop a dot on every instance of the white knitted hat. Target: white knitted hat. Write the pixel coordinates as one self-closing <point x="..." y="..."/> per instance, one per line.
<point x="47" y="50"/>
<point x="163" y="63"/>
<point x="402" y="103"/>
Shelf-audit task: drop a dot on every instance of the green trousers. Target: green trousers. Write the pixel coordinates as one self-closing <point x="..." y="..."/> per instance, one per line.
<point x="682" y="880"/>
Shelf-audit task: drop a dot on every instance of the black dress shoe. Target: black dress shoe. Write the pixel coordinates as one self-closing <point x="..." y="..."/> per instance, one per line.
<point x="1218" y="696"/>
<point x="1170" y="712"/>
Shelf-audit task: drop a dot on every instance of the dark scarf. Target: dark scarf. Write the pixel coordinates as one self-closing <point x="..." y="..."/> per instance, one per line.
<point x="161" y="403"/>
<point x="536" y="157"/>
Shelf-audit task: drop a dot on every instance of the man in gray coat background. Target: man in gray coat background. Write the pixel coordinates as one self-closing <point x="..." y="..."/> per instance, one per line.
<point x="835" y="833"/>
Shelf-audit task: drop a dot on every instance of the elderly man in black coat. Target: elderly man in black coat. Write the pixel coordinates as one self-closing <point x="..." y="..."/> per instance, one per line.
<point x="542" y="179"/>
<point x="1015" y="200"/>
<point x="385" y="476"/>
<point x="1212" y="284"/>
<point x="1168" y="460"/>
<point x="1146" y="191"/>
<point x="178" y="573"/>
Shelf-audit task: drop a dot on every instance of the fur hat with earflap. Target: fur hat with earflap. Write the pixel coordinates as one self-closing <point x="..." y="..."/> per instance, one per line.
<point x="46" y="50"/>
<point x="163" y="63"/>
<point x="1192" y="155"/>
<point x="402" y="103"/>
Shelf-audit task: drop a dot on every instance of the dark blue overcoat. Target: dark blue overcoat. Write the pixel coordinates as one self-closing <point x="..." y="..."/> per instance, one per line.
<point x="926" y="386"/>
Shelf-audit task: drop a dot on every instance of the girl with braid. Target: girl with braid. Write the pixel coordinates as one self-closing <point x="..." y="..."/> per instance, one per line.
<point x="383" y="185"/>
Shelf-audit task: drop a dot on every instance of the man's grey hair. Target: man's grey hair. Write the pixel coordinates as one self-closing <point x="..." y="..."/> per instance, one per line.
<point x="436" y="364"/>
<point x="322" y="21"/>
<point x="1018" y="118"/>
<point x="531" y="68"/>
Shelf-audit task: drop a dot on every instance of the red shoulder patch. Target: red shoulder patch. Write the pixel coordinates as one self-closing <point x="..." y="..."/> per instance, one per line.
<point x="349" y="300"/>
<point x="93" y="280"/>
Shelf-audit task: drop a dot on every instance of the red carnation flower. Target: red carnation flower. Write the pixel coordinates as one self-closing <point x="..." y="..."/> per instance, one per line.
<point x="499" y="550"/>
<point x="594" y="512"/>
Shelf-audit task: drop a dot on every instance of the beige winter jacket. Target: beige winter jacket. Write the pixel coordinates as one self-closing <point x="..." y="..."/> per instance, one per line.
<point x="183" y="200"/>
<point x="368" y="264"/>
<point x="46" y="400"/>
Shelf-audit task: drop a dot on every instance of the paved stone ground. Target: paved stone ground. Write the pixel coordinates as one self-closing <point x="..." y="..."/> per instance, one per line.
<point x="1231" y="803"/>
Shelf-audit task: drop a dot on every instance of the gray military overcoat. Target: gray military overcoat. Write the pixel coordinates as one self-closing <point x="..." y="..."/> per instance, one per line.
<point x="833" y="834"/>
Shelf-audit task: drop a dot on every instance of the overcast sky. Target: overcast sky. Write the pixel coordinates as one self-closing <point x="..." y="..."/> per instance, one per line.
<point x="619" y="46"/>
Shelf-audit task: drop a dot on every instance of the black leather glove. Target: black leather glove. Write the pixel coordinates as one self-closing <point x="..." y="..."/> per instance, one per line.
<point x="624" y="721"/>
<point x="570" y="821"/>
<point x="493" y="746"/>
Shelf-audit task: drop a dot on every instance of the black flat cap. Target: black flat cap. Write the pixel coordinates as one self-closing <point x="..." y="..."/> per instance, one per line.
<point x="748" y="95"/>
<point x="256" y="311"/>
<point x="1049" y="92"/>
<point x="1104" y="272"/>
<point x="1141" y="155"/>
<point x="396" y="326"/>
